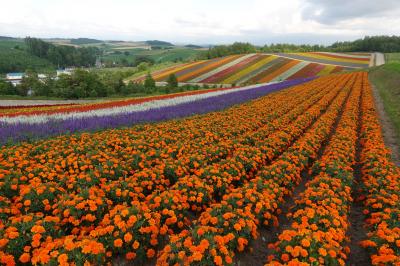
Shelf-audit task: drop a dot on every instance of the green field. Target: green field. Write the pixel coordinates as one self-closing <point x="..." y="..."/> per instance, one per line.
<point x="386" y="78"/>
<point x="159" y="56"/>
<point x="392" y="57"/>
<point x="14" y="58"/>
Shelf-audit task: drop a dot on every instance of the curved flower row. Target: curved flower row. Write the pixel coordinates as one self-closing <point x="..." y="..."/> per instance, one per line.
<point x="12" y="109"/>
<point x="206" y="182"/>
<point x="257" y="68"/>
<point x="115" y="107"/>
<point x="381" y="185"/>
<point x="23" y="131"/>
<point x="317" y="234"/>
<point x="70" y="189"/>
<point x="227" y="227"/>
<point x="236" y="161"/>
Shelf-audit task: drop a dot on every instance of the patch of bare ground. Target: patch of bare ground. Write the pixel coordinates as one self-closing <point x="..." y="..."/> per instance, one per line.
<point x="357" y="231"/>
<point x="388" y="130"/>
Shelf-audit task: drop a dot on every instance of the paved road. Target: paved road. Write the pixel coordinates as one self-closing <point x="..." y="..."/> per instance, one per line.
<point x="379" y="59"/>
<point x="41" y="102"/>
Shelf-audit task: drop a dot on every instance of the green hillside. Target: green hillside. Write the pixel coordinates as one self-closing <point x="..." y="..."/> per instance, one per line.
<point x="15" y="58"/>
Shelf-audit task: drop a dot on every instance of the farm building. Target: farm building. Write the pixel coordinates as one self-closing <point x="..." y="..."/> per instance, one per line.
<point x="16" y="78"/>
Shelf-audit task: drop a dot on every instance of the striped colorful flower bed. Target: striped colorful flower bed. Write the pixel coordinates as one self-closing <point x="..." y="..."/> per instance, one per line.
<point x="260" y="68"/>
<point x="44" y="124"/>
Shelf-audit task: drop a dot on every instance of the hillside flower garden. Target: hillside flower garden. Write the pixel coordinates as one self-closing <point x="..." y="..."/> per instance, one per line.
<point x="192" y="178"/>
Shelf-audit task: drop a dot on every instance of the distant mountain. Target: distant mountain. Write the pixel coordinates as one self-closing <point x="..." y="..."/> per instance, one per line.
<point x="193" y="46"/>
<point x="80" y="41"/>
<point x="6" y="38"/>
<point x="159" y="43"/>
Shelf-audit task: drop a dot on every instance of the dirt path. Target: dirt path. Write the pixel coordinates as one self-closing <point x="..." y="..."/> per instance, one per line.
<point x="389" y="133"/>
<point x="379" y="59"/>
<point x="357" y="231"/>
<point x="42" y="102"/>
<point x="372" y="60"/>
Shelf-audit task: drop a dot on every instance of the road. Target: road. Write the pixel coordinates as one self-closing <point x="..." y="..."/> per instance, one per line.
<point x="379" y="59"/>
<point x="41" y="102"/>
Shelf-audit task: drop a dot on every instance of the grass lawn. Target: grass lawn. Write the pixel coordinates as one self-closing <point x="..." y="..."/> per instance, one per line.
<point x="392" y="57"/>
<point x="159" y="56"/>
<point x="386" y="78"/>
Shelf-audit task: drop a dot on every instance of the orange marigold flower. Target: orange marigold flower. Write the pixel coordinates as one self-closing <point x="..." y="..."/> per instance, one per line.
<point x="218" y="260"/>
<point x="322" y="252"/>
<point x="25" y="258"/>
<point x="332" y="253"/>
<point x="135" y="244"/>
<point x="118" y="243"/>
<point x="305" y="243"/>
<point x="197" y="256"/>
<point x="304" y="253"/>
<point x="228" y="259"/>
<point x="13" y="235"/>
<point x="200" y="231"/>
<point x="127" y="237"/>
<point x="130" y="255"/>
<point x="150" y="253"/>
<point x="38" y="229"/>
<point x="237" y="227"/>
<point x="62" y="259"/>
<point x="3" y="242"/>
<point x="285" y="257"/>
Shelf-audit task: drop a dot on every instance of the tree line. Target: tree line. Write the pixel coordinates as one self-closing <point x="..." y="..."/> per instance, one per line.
<point x="62" y="55"/>
<point x="384" y="44"/>
<point x="84" y="84"/>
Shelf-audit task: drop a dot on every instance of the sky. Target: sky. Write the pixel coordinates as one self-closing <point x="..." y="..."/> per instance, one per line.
<point x="202" y="21"/>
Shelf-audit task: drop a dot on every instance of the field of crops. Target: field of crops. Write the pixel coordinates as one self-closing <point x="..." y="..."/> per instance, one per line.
<point x="262" y="68"/>
<point x="198" y="189"/>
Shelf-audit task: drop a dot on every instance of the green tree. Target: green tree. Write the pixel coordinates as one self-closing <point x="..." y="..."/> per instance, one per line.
<point x="6" y="88"/>
<point x="30" y="81"/>
<point x="149" y="83"/>
<point x="172" y="81"/>
<point x="143" y="66"/>
<point x="46" y="87"/>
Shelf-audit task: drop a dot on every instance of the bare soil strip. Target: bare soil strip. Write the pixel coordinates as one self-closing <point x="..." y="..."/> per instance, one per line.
<point x="357" y="231"/>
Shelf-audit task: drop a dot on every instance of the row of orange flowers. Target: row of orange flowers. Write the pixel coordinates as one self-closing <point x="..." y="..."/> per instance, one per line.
<point x="319" y="220"/>
<point x="381" y="184"/>
<point x="227" y="227"/>
<point x="73" y="198"/>
<point x="212" y="152"/>
<point x="210" y="182"/>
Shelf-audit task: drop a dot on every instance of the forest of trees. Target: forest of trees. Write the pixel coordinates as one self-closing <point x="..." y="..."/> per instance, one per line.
<point x="62" y="55"/>
<point x="84" y="84"/>
<point x="224" y="50"/>
<point x="384" y="44"/>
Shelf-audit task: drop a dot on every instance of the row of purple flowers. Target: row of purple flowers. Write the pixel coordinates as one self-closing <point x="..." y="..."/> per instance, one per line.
<point x="12" y="133"/>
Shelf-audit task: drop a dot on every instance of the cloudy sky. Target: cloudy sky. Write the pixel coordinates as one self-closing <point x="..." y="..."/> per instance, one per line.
<point x="202" y="21"/>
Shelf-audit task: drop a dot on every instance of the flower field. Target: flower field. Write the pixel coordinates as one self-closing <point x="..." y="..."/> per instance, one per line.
<point x="262" y="68"/>
<point x="193" y="178"/>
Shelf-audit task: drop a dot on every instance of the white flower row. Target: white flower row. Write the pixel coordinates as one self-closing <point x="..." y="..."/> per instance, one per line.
<point x="221" y="68"/>
<point x="350" y="56"/>
<point x="43" y="118"/>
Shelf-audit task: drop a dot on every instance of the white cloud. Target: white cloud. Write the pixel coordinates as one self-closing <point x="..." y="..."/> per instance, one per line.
<point x="201" y="21"/>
